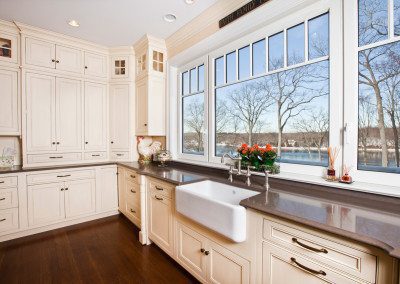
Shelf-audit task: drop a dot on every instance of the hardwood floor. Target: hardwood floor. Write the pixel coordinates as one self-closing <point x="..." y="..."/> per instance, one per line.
<point x="101" y="251"/>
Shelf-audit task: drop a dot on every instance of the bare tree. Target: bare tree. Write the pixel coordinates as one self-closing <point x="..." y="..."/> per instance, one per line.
<point x="248" y="103"/>
<point x="365" y="120"/>
<point x="194" y="121"/>
<point x="314" y="130"/>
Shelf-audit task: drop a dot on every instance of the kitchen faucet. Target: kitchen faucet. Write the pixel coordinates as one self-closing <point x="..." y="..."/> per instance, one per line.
<point x="238" y="171"/>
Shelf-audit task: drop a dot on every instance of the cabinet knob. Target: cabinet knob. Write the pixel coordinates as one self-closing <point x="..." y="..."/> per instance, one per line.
<point x="66" y="188"/>
<point x="202" y="250"/>
<point x="145" y="124"/>
<point x="206" y="252"/>
<point x="54" y="143"/>
<point x="57" y="61"/>
<point x="112" y="142"/>
<point x="86" y="142"/>
<point x="58" y="143"/>
<point x="53" y="60"/>
<point x="86" y="67"/>
<point x="62" y="189"/>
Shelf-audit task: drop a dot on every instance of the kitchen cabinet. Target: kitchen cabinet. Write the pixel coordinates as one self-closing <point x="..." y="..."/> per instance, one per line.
<point x="9" y="43"/>
<point x="141" y="108"/>
<point x="130" y="195"/>
<point x="79" y="198"/>
<point x="107" y="189"/>
<point x="119" y="117"/>
<point x="95" y="64"/>
<point x="54" y="117"/>
<point x="69" y="59"/>
<point x="95" y="116"/>
<point x="9" y="98"/>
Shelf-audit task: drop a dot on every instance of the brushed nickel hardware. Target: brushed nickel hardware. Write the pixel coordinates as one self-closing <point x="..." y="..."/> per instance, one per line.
<point x="1" y="199"/>
<point x="206" y="252"/>
<point x="56" y="157"/>
<point x="96" y="155"/>
<point x="2" y="182"/>
<point x="159" y="188"/>
<point x="158" y="198"/>
<point x="133" y="191"/>
<point x="1" y="220"/>
<point x="133" y="211"/>
<point x="308" y="247"/>
<point x="64" y="176"/>
<point x="232" y="170"/>
<point x="307" y="268"/>
<point x="202" y="250"/>
<point x="248" y="174"/>
<point x="53" y="60"/>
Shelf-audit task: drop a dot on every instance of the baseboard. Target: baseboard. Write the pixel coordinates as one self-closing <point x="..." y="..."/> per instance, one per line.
<point x="32" y="231"/>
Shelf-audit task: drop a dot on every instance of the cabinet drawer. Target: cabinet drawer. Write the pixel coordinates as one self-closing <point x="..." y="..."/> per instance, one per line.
<point x="131" y="176"/>
<point x="59" y="176"/>
<point x="133" y="212"/>
<point x="95" y="156"/>
<point x="334" y="254"/>
<point x="8" y="219"/>
<point x="54" y="158"/>
<point x="119" y="156"/>
<point x="161" y="188"/>
<point x="8" y="198"/>
<point x="8" y="182"/>
<point x="132" y="192"/>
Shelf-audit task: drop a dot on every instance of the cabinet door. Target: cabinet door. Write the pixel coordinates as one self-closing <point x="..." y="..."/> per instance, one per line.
<point x="107" y="189"/>
<point x="68" y="114"/>
<point x="69" y="59"/>
<point x="121" y="189"/>
<point x="9" y="110"/>
<point x="9" y="43"/>
<point x="190" y="251"/>
<point x="119" y="117"/>
<point x="80" y="197"/>
<point x="40" y="118"/>
<point x="95" y="64"/>
<point x="40" y="53"/>
<point x="281" y="267"/>
<point x="160" y="222"/>
<point x="95" y="116"/>
<point x="45" y="203"/>
<point x="141" y="108"/>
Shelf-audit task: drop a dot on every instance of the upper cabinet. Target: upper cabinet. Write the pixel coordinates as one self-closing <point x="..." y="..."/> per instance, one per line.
<point x="8" y="47"/>
<point x="95" y="64"/>
<point x="40" y="53"/>
<point x="9" y="102"/>
<point x="150" y="87"/>
<point x="69" y="59"/>
<point x="119" y="67"/>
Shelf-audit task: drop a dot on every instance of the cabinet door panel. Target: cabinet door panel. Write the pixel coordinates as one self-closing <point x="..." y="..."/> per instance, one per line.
<point x="141" y="108"/>
<point x="119" y="117"/>
<point x="189" y="251"/>
<point x="222" y="260"/>
<point x="68" y="114"/>
<point x="69" y="59"/>
<point x="80" y="198"/>
<point x="9" y="102"/>
<point x="95" y="116"/>
<point x="40" y="98"/>
<point x="108" y="191"/>
<point x="95" y="64"/>
<point x="40" y="53"/>
<point x="45" y="203"/>
<point x="160" y="222"/>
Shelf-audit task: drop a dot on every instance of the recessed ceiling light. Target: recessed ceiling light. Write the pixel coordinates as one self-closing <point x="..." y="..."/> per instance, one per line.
<point x="73" y="23"/>
<point x="170" y="18"/>
<point x="189" y="2"/>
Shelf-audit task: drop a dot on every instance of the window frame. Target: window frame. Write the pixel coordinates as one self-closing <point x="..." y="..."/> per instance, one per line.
<point x="187" y="67"/>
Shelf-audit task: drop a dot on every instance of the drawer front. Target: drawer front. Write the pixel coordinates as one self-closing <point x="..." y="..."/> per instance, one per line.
<point x="119" y="156"/>
<point x="59" y="176"/>
<point x="334" y="254"/>
<point x="8" y="219"/>
<point x="133" y="212"/>
<point x="131" y="176"/>
<point x="8" y="198"/>
<point x="8" y="182"/>
<point x="132" y="193"/>
<point x="161" y="188"/>
<point x="95" y="156"/>
<point x="54" y="158"/>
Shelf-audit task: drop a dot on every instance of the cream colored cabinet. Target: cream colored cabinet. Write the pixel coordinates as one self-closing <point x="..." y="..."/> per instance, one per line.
<point x="40" y="113"/>
<point x="130" y="195"/>
<point x="9" y="98"/>
<point x="207" y="260"/>
<point x="141" y="108"/>
<point x="69" y="59"/>
<point x="107" y="190"/>
<point x="9" y="42"/>
<point x="119" y="117"/>
<point x="80" y="197"/>
<point x="95" y="64"/>
<point x="54" y="118"/>
<point x="47" y="54"/>
<point x="95" y="116"/>
<point x="46" y="203"/>
<point x="40" y="53"/>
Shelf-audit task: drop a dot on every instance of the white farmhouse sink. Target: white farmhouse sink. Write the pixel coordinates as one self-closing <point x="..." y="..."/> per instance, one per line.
<point x="216" y="206"/>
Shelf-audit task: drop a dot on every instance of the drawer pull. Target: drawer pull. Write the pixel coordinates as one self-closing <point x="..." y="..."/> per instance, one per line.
<point x="159" y="188"/>
<point x="64" y="176"/>
<point x="2" y="182"/>
<point x="56" y="157"/>
<point x="119" y="155"/>
<point x="133" y="191"/>
<point x="132" y="176"/>
<point x="2" y="220"/>
<point x="96" y="155"/>
<point x="158" y="198"/>
<point x="133" y="211"/>
<point x="1" y="199"/>
<point x="308" y="247"/>
<point x="307" y="268"/>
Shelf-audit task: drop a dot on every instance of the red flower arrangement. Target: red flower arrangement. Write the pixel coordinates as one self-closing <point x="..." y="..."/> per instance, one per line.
<point x="257" y="156"/>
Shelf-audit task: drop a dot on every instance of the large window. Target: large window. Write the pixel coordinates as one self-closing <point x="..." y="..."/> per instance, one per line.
<point x="379" y="85"/>
<point x="286" y="106"/>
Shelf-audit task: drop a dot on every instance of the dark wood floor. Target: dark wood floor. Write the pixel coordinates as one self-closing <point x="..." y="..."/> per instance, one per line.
<point x="102" y="251"/>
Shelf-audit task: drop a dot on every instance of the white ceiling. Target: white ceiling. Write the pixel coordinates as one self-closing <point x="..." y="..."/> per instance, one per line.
<point x="107" y="22"/>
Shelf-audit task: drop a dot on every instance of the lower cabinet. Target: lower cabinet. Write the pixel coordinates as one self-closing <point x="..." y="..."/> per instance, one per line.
<point x="107" y="189"/>
<point x="209" y="261"/>
<point x="54" y="202"/>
